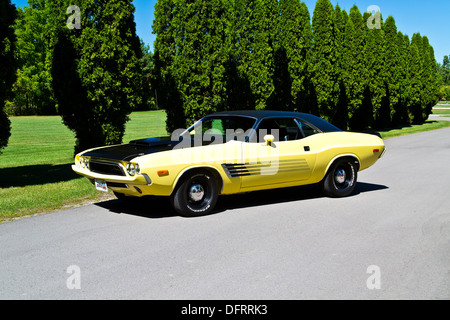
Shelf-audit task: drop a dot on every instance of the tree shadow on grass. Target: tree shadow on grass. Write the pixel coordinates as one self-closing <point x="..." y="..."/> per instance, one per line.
<point x="36" y="175"/>
<point x="159" y="207"/>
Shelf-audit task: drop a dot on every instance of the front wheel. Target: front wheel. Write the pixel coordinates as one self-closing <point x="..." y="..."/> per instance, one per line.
<point x="340" y="180"/>
<point x="196" y="195"/>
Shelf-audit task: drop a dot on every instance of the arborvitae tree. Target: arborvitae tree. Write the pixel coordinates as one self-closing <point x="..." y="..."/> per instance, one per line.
<point x="340" y="23"/>
<point x="340" y="118"/>
<point x="260" y="63"/>
<point x="163" y="79"/>
<point x="325" y="66"/>
<point x="199" y="63"/>
<point x="96" y="70"/>
<point x="393" y="72"/>
<point x="354" y="70"/>
<point x="402" y="115"/>
<point x="238" y="41"/>
<point x="295" y="44"/>
<point x="8" y="65"/>
<point x="416" y="84"/>
<point x="264" y="54"/>
<point x="444" y="71"/>
<point x="375" y="62"/>
<point x="430" y="77"/>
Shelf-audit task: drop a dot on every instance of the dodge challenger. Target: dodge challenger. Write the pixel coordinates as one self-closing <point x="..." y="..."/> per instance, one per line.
<point x="233" y="152"/>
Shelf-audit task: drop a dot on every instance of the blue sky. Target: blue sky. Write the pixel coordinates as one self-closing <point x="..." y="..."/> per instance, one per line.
<point x="430" y="18"/>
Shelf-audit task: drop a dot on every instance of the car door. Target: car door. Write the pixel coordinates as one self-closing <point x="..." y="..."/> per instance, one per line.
<point x="286" y="160"/>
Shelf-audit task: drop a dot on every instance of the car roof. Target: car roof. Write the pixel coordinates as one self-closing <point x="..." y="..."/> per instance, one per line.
<point x="319" y="123"/>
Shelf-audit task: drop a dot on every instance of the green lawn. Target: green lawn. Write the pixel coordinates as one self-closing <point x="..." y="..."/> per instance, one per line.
<point x="443" y="112"/>
<point x="427" y="126"/>
<point x="35" y="168"/>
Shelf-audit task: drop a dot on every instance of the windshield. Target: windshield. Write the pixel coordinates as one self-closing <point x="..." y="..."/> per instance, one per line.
<point x="228" y="127"/>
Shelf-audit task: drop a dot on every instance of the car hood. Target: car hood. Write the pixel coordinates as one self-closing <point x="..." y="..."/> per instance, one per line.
<point x="135" y="148"/>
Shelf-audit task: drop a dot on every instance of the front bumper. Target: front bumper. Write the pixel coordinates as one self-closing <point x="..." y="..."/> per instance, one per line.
<point x="124" y="184"/>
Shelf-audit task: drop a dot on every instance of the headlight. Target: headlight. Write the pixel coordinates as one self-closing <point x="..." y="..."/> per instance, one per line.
<point x="84" y="162"/>
<point x="133" y="168"/>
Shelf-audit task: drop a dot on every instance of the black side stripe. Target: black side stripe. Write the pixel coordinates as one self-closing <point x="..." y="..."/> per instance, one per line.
<point x="234" y="170"/>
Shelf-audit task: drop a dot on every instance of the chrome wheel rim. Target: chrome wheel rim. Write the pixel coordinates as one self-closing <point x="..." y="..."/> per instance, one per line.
<point x="196" y="192"/>
<point x="340" y="176"/>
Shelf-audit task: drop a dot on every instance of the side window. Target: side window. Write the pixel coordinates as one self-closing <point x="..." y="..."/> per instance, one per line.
<point x="306" y="129"/>
<point x="283" y="129"/>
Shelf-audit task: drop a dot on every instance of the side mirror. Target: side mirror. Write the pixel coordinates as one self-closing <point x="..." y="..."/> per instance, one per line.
<point x="268" y="138"/>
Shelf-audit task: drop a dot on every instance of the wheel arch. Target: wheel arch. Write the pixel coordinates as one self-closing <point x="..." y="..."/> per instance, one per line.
<point x="202" y="168"/>
<point x="351" y="156"/>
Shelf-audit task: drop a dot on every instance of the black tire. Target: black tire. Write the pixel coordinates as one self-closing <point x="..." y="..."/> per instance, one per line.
<point x="340" y="180"/>
<point x="196" y="195"/>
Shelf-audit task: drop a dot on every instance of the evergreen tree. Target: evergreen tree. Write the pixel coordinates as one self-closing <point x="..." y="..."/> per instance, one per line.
<point x="7" y="65"/>
<point x="431" y="79"/>
<point x="402" y="115"/>
<point x="425" y="78"/>
<point x="354" y="70"/>
<point x="295" y="44"/>
<point x="238" y="41"/>
<point x="374" y="52"/>
<point x="341" y="118"/>
<point x="415" y="80"/>
<point x="325" y="66"/>
<point x="393" y="73"/>
<point x="199" y="63"/>
<point x="444" y="71"/>
<point x="163" y="78"/>
<point x="259" y="64"/>
<point x="96" y="73"/>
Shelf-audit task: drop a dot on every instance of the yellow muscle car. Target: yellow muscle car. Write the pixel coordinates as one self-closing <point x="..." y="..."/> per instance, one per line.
<point x="233" y="152"/>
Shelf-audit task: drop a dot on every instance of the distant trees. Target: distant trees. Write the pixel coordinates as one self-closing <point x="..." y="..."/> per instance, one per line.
<point x="269" y="56"/>
<point x="32" y="91"/>
<point x="7" y="64"/>
<point x="444" y="71"/>
<point x="444" y="77"/>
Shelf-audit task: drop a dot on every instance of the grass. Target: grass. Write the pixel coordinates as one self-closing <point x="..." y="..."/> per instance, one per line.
<point x="427" y="126"/>
<point x="35" y="169"/>
<point x="442" y="112"/>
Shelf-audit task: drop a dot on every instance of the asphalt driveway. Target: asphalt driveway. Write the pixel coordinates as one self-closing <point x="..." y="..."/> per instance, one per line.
<point x="389" y="240"/>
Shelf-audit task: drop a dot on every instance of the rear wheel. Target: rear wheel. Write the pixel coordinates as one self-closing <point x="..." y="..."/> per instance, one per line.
<point x="340" y="180"/>
<point x="196" y="195"/>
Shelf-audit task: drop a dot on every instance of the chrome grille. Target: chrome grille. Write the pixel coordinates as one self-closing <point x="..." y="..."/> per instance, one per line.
<point x="109" y="168"/>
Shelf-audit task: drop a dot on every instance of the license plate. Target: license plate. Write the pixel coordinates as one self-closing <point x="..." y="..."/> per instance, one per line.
<point x="101" y="185"/>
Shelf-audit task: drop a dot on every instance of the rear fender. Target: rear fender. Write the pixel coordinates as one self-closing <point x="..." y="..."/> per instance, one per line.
<point x="347" y="155"/>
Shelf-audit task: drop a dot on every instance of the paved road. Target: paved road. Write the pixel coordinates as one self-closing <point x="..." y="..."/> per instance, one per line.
<point x="391" y="236"/>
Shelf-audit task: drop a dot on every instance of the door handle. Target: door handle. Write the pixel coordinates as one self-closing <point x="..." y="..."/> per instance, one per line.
<point x="306" y="148"/>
